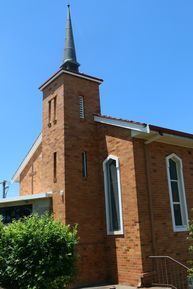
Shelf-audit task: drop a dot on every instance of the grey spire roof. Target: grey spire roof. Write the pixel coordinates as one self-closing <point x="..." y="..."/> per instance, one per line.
<point x="69" y="61"/>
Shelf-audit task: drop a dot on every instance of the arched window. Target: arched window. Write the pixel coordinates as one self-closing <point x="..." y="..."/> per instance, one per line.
<point x="113" y="196"/>
<point x="177" y="193"/>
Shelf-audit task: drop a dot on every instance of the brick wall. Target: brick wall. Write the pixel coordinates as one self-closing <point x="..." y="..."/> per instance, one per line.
<point x="31" y="177"/>
<point x="123" y="251"/>
<point x="53" y="142"/>
<point x="84" y="200"/>
<point x="167" y="242"/>
<point x="53" y="137"/>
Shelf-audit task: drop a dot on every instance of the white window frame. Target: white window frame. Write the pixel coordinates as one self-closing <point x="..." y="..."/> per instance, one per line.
<point x="182" y="194"/>
<point x="110" y="232"/>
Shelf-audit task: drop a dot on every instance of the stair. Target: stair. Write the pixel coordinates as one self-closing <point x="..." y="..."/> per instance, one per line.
<point x="169" y="272"/>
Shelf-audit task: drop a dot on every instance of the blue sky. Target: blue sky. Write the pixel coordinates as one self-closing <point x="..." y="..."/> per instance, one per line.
<point x="143" y="49"/>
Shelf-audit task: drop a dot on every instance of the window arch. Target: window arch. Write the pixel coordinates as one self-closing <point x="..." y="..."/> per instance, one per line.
<point x="113" y="201"/>
<point x="177" y="193"/>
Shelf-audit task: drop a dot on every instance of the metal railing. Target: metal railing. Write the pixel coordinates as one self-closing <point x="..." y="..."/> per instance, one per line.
<point x="169" y="273"/>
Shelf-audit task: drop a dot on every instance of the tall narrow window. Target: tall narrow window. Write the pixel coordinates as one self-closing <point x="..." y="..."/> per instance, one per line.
<point x="55" y="107"/>
<point x="113" y="196"/>
<point x="82" y="112"/>
<point x="55" y="167"/>
<point x="84" y="164"/>
<point x="177" y="193"/>
<point x="52" y="111"/>
<point x="49" y="112"/>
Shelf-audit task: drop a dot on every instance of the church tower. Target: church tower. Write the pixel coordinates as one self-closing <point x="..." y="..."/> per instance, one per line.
<point x="70" y="162"/>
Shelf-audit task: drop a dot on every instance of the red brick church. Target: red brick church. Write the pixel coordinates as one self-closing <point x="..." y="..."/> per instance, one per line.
<point x="128" y="185"/>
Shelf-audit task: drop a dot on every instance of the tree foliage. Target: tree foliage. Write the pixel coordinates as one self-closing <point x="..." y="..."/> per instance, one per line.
<point x="190" y="238"/>
<point x="36" y="253"/>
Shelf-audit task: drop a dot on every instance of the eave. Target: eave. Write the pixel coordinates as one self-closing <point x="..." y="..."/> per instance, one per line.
<point x="149" y="133"/>
<point x="26" y="198"/>
<point x="35" y="146"/>
<point x="62" y="71"/>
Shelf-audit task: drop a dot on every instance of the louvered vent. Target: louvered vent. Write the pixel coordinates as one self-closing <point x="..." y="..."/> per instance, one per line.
<point x="82" y="114"/>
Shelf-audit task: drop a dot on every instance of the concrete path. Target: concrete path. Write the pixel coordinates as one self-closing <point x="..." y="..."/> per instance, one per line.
<point x="118" y="286"/>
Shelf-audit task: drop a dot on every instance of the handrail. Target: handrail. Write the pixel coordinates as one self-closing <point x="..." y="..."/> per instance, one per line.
<point x="169" y="272"/>
<point x="172" y="259"/>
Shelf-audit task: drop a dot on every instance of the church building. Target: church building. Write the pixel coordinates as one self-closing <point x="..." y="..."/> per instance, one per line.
<point x="128" y="185"/>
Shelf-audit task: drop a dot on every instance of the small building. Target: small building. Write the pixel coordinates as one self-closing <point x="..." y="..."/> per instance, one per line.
<point x="128" y="185"/>
<point x="16" y="208"/>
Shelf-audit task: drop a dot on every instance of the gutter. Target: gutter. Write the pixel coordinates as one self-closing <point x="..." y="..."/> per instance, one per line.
<point x="26" y="198"/>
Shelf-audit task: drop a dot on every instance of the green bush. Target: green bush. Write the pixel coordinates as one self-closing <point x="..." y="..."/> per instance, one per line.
<point x="36" y="253"/>
<point x="190" y="262"/>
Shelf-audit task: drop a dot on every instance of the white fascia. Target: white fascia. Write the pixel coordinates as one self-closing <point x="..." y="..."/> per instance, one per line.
<point x="124" y="124"/>
<point x="70" y="73"/>
<point x="16" y="177"/>
<point x="26" y="198"/>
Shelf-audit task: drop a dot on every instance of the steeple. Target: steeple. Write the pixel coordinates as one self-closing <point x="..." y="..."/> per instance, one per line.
<point x="69" y="62"/>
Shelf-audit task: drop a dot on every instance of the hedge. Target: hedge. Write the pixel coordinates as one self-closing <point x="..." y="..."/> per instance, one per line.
<point x="36" y="253"/>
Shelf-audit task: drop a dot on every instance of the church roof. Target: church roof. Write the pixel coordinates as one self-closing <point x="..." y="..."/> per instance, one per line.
<point x="150" y="126"/>
<point x="69" y="64"/>
<point x="76" y="74"/>
<point x="148" y="132"/>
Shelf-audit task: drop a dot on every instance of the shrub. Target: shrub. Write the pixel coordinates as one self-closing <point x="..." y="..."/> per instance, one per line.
<point x="190" y="263"/>
<point x="36" y="253"/>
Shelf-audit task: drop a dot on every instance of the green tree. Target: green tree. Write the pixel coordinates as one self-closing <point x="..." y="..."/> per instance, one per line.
<point x="36" y="253"/>
<point x="190" y="263"/>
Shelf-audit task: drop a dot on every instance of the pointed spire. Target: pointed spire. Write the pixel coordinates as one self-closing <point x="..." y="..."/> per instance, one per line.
<point x="69" y="61"/>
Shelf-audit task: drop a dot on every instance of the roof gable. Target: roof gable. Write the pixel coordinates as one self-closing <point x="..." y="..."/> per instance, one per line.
<point x="35" y="146"/>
